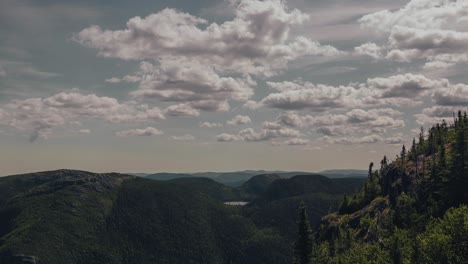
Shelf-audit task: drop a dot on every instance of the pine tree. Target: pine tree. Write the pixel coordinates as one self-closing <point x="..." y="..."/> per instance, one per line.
<point x="304" y="243"/>
<point x="413" y="152"/>
<point x="456" y="185"/>
<point x="396" y="251"/>
<point x="403" y="156"/>
<point x="371" y="165"/>
<point x="421" y="141"/>
<point x="344" y="205"/>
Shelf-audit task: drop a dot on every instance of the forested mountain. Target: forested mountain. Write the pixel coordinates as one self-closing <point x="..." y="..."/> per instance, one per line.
<point x="71" y="216"/>
<point x="237" y="178"/>
<point x="410" y="210"/>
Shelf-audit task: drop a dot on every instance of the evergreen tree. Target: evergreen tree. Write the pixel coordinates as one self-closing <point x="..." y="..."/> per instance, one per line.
<point x="371" y="165"/>
<point x="421" y="141"/>
<point x="344" y="205"/>
<point x="456" y="186"/>
<point x="396" y="251"/>
<point x="304" y="242"/>
<point x="403" y="156"/>
<point x="413" y="152"/>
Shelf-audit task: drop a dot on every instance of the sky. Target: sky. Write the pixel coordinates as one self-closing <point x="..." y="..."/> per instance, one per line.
<point x="212" y="85"/>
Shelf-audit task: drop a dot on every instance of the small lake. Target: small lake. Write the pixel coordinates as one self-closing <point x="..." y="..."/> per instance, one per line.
<point x="237" y="203"/>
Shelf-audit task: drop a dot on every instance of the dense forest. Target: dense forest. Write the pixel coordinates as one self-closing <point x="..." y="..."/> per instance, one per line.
<point x="69" y="216"/>
<point x="411" y="210"/>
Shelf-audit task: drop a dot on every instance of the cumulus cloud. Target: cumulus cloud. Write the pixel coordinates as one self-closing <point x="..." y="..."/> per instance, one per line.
<point x="369" y="139"/>
<point x="40" y="115"/>
<point x="202" y="66"/>
<point x="249" y="134"/>
<point x="369" y="49"/>
<point x="185" y="137"/>
<point x="256" y="40"/>
<point x="196" y="85"/>
<point x="239" y="120"/>
<point x="265" y="134"/>
<point x="181" y="110"/>
<point x="434" y="30"/>
<point x="352" y="122"/>
<point x="317" y="98"/>
<point x="400" y="89"/>
<point x="296" y="142"/>
<point x="225" y="137"/>
<point x="438" y="113"/>
<point x="451" y="95"/>
<point x="394" y="140"/>
<point x="149" y="131"/>
<point x="210" y="125"/>
<point x="404" y="86"/>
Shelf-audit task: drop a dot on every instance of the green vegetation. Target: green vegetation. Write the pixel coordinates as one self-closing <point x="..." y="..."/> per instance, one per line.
<point x="80" y="217"/>
<point x="411" y="210"/>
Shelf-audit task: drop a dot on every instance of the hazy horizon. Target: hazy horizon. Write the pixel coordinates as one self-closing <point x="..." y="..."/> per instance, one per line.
<point x="183" y="86"/>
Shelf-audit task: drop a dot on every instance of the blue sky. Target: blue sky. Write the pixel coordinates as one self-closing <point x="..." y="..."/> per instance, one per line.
<point x="224" y="85"/>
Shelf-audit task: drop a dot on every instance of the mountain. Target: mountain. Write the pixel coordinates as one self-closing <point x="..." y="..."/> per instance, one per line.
<point x="411" y="210"/>
<point x="344" y="173"/>
<point x="257" y="185"/>
<point x="209" y="187"/>
<point x="69" y="216"/>
<point x="80" y="217"/>
<point x="237" y="178"/>
<point x="276" y="206"/>
<point x="164" y="176"/>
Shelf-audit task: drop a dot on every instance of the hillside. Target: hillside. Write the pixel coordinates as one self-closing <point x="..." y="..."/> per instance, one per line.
<point x="80" y="217"/>
<point x="71" y="216"/>
<point x="237" y="178"/>
<point x="277" y="207"/>
<point x="411" y="210"/>
<point x="209" y="187"/>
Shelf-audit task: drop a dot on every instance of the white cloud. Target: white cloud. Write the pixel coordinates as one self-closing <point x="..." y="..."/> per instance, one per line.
<point x="204" y="66"/>
<point x="296" y="142"/>
<point x="256" y="40"/>
<point x="265" y="134"/>
<point x="369" y="139"/>
<point x="369" y="49"/>
<point x="317" y="98"/>
<point x="451" y="95"/>
<point x="249" y="134"/>
<point x="395" y="140"/>
<point x="437" y="113"/>
<point x="239" y="120"/>
<point x="41" y="115"/>
<point x="400" y="89"/>
<point x="224" y="137"/>
<point x="185" y="137"/>
<point x="404" y="86"/>
<point x="181" y="110"/>
<point x="356" y="121"/>
<point x="149" y="131"/>
<point x="84" y="131"/>
<point x="190" y="82"/>
<point x="423" y="29"/>
<point x="210" y="125"/>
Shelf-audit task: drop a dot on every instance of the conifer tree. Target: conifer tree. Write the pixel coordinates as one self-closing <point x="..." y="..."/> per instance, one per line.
<point x="304" y="242"/>
<point x="403" y="155"/>
<point x="413" y="152"/>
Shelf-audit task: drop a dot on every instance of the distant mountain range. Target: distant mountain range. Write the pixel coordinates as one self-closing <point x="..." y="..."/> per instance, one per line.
<point x="237" y="178"/>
